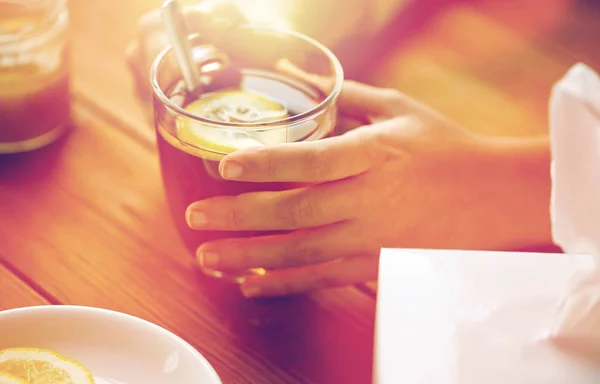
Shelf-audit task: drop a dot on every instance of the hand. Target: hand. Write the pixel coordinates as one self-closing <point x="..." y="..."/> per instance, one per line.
<point x="207" y="18"/>
<point x="409" y="179"/>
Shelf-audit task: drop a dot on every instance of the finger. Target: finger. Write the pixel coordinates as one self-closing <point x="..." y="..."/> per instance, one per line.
<point x="346" y="124"/>
<point x="198" y="18"/>
<point x="358" y="99"/>
<point x="337" y="273"/>
<point x="291" y="209"/>
<point x="153" y="39"/>
<point x="294" y="249"/>
<point x="314" y="161"/>
<point x="141" y="53"/>
<point x="195" y="19"/>
<point x="212" y="16"/>
<point x="150" y="21"/>
<point x="132" y="55"/>
<point x="151" y="45"/>
<point x="135" y="65"/>
<point x="133" y="59"/>
<point x="310" y="161"/>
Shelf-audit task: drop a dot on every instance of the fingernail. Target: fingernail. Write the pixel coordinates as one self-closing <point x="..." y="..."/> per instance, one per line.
<point x="250" y="291"/>
<point x="207" y="259"/>
<point x="195" y="219"/>
<point x="231" y="170"/>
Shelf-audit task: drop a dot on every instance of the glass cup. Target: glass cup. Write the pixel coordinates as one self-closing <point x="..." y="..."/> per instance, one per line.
<point x="34" y="80"/>
<point x="261" y="86"/>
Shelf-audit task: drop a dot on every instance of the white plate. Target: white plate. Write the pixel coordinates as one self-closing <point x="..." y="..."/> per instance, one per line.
<point x="115" y="347"/>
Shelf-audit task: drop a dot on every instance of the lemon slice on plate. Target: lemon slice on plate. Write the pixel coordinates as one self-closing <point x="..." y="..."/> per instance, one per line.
<point x="5" y="378"/>
<point x="39" y="366"/>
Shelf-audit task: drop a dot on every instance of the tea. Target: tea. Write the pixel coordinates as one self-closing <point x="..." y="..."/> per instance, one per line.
<point x="190" y="150"/>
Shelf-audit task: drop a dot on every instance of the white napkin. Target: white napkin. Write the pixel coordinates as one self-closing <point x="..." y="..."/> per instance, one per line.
<point x="575" y="207"/>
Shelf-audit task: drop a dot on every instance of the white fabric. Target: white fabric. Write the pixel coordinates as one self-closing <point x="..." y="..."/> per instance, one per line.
<point x="575" y="208"/>
<point x="474" y="317"/>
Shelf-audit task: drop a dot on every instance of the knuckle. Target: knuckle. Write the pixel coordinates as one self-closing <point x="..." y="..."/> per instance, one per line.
<point x="316" y="164"/>
<point x="131" y="51"/>
<point x="302" y="212"/>
<point x="235" y="219"/>
<point x="393" y="95"/>
<point x="327" y="281"/>
<point x="287" y="287"/>
<point x="392" y="99"/>
<point x="132" y="58"/>
<point x="297" y="211"/>
<point x="300" y="254"/>
<point x="370" y="152"/>
<point x="273" y="166"/>
<point x="149" y="21"/>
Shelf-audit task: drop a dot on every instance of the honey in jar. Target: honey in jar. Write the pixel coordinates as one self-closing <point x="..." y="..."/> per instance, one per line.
<point x="34" y="79"/>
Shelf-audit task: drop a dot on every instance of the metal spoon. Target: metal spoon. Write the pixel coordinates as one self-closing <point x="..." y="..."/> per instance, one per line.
<point x="178" y="37"/>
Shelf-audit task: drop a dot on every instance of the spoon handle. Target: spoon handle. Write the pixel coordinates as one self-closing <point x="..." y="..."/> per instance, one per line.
<point x="178" y="37"/>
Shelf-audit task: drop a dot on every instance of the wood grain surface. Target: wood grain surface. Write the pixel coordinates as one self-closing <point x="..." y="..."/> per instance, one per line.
<point x="14" y="293"/>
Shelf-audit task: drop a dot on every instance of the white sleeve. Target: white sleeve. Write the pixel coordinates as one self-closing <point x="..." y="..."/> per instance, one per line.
<point x="575" y="144"/>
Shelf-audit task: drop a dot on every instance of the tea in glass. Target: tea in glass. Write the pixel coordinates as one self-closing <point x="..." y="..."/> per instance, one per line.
<point x="238" y="107"/>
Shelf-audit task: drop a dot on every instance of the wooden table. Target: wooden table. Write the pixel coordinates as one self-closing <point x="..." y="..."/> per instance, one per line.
<point x="85" y="222"/>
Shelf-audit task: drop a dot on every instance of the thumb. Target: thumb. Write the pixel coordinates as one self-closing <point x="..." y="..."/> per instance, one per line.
<point x="329" y="159"/>
<point x="358" y="99"/>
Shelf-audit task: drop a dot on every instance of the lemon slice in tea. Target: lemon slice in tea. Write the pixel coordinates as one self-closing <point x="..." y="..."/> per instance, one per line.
<point x="235" y="106"/>
<point x="39" y="366"/>
<point x="5" y="378"/>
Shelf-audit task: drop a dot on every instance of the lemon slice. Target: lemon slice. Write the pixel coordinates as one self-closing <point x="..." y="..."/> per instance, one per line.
<point x="230" y="106"/>
<point x="237" y="106"/>
<point x="5" y="378"/>
<point x="38" y="366"/>
<point x="214" y="139"/>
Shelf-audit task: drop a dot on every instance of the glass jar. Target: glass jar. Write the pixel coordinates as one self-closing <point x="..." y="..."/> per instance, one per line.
<point x="34" y="78"/>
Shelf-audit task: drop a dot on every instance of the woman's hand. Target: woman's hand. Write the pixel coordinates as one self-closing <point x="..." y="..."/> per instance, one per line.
<point x="410" y="179"/>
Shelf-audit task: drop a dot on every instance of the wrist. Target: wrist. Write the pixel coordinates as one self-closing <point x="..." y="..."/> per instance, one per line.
<point x="518" y="203"/>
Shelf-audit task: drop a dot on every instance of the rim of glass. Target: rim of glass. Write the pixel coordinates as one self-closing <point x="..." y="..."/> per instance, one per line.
<point x="296" y="119"/>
